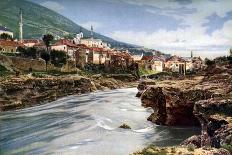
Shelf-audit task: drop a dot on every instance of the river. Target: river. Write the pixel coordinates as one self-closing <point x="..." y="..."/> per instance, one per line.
<point x="85" y="125"/>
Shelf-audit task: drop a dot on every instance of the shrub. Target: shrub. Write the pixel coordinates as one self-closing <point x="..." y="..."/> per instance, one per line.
<point x="209" y="62"/>
<point x="58" y="58"/>
<point x="228" y="147"/>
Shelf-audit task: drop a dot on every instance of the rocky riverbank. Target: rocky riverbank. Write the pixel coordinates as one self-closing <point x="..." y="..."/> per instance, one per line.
<point x="204" y="101"/>
<point x="27" y="90"/>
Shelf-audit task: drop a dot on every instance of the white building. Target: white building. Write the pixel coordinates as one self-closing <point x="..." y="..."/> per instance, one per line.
<point x="77" y="39"/>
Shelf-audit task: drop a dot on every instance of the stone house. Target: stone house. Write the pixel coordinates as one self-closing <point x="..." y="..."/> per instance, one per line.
<point x="67" y="46"/>
<point x="152" y="63"/>
<point x="91" y="42"/>
<point x="175" y="64"/>
<point x="197" y="63"/>
<point x="9" y="46"/>
<point x="97" y="55"/>
<point x="31" y="42"/>
<point x="81" y="55"/>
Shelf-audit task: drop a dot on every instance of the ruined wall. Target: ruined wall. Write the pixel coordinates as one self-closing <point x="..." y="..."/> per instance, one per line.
<point x="17" y="63"/>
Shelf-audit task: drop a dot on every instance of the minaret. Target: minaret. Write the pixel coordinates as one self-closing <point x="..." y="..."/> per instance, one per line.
<point x="21" y="26"/>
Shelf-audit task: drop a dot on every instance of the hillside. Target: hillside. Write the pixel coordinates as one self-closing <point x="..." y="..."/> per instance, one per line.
<point x="38" y="20"/>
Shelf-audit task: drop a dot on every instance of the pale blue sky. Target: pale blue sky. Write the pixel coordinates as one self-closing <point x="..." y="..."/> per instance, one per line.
<point x="172" y="26"/>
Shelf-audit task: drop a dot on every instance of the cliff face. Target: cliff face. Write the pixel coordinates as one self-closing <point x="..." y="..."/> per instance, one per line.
<point x="204" y="101"/>
<point x="16" y="93"/>
<point x="19" y="93"/>
<point x="173" y="102"/>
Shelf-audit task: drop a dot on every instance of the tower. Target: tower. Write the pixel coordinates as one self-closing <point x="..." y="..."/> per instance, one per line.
<point x="21" y="26"/>
<point x="191" y="54"/>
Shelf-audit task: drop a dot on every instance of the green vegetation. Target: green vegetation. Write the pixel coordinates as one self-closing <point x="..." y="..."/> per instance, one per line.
<point x="191" y="148"/>
<point x="5" y="36"/>
<point x="152" y="150"/>
<point x="28" y="52"/>
<point x="228" y="147"/>
<point x="58" y="58"/>
<point x="47" y="39"/>
<point x="9" y="54"/>
<point x="52" y="73"/>
<point x="46" y="57"/>
<point x="143" y="71"/>
<point x="4" y="72"/>
<point x="37" y="19"/>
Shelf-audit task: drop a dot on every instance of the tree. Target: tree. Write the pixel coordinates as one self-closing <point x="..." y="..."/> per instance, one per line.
<point x="28" y="53"/>
<point x="6" y="36"/>
<point x="231" y="52"/>
<point x="58" y="58"/>
<point x="46" y="57"/>
<point x="209" y="62"/>
<point x="47" y="40"/>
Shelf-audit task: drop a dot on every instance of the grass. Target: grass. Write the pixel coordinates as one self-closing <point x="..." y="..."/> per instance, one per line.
<point x="52" y="73"/>
<point x="4" y="72"/>
<point x="228" y="147"/>
<point x="143" y="71"/>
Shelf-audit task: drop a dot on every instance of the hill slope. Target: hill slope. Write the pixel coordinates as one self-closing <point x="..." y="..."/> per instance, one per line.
<point x="38" y="20"/>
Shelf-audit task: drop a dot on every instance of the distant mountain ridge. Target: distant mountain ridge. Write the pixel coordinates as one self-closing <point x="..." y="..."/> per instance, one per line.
<point x="38" y="20"/>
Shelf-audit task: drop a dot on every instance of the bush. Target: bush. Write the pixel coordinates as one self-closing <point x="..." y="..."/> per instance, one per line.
<point x="143" y="71"/>
<point x="58" y="58"/>
<point x="28" y="53"/>
<point x="228" y="147"/>
<point x="4" y="71"/>
<point x="209" y="62"/>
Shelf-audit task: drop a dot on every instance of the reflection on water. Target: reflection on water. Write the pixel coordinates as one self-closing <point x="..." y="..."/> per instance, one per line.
<point x="86" y="125"/>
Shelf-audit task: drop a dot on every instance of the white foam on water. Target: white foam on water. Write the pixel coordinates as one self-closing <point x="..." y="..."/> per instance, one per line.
<point x="145" y="130"/>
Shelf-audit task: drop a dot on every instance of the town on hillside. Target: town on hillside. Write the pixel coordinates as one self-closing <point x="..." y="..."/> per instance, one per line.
<point x="87" y="53"/>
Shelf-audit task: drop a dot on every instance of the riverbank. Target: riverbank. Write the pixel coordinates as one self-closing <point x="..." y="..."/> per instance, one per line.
<point x="204" y="101"/>
<point x="29" y="90"/>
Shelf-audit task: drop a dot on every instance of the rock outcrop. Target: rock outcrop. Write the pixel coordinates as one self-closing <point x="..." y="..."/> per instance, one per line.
<point x="173" y="106"/>
<point x="19" y="93"/>
<point x="205" y="100"/>
<point x="25" y="91"/>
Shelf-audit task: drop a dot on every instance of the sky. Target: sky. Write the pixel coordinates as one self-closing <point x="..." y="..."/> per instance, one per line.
<point x="171" y="26"/>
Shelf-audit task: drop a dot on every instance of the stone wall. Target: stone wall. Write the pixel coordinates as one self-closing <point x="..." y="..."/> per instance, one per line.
<point x="26" y="64"/>
<point x="17" y="63"/>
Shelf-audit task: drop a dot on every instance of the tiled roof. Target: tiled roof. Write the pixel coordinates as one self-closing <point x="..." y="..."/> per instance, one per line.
<point x="2" y="28"/>
<point x="31" y="41"/>
<point x="10" y="43"/>
<point x="64" y="42"/>
<point x="151" y="57"/>
<point x="147" y="57"/>
<point x="97" y="49"/>
<point x="175" y="58"/>
<point x="82" y="46"/>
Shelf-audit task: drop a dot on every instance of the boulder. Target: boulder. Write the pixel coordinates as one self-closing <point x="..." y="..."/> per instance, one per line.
<point x="125" y="126"/>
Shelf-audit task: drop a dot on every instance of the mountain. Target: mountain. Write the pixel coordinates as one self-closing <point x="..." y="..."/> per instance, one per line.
<point x="39" y="20"/>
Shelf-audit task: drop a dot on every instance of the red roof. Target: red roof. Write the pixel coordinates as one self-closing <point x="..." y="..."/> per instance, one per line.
<point x="31" y="41"/>
<point x="11" y="43"/>
<point x="82" y="46"/>
<point x="151" y="57"/>
<point x="147" y="58"/>
<point x="64" y="42"/>
<point x="97" y="49"/>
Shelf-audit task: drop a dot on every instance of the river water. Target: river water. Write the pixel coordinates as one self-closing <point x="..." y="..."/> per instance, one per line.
<point x="85" y="125"/>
